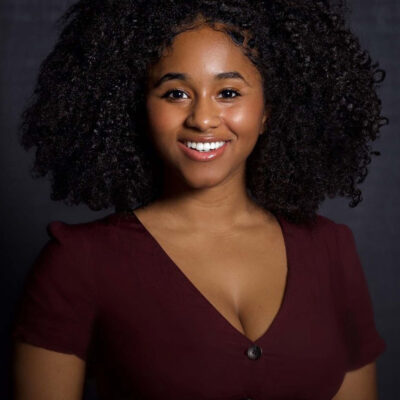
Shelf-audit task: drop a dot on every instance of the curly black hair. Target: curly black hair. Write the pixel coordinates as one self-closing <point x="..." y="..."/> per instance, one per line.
<point x="86" y="116"/>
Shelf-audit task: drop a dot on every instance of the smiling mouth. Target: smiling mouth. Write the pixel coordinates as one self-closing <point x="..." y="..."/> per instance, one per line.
<point x="208" y="142"/>
<point x="204" y="154"/>
<point x="204" y="146"/>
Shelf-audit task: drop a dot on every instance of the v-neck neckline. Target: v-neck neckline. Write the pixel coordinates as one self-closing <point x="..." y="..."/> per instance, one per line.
<point x="285" y="298"/>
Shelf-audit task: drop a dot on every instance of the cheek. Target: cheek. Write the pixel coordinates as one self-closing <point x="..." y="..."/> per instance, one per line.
<point x="163" y="120"/>
<point x="245" y="119"/>
<point x="163" y="124"/>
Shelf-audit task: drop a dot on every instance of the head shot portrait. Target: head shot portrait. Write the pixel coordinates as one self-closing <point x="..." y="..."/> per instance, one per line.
<point x="219" y="218"/>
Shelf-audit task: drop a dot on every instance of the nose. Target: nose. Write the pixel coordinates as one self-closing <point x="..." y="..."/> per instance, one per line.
<point x="204" y="114"/>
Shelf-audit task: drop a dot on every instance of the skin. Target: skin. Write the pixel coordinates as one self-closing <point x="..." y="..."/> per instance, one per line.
<point x="194" y="193"/>
<point x="359" y="384"/>
<point x="41" y="374"/>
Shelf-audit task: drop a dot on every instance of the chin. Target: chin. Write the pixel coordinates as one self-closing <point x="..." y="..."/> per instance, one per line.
<point x="203" y="180"/>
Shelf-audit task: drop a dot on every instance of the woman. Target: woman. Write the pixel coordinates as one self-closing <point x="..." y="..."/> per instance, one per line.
<point x="216" y="129"/>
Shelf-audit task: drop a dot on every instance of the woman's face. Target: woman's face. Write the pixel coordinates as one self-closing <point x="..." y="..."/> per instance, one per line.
<point x="204" y="89"/>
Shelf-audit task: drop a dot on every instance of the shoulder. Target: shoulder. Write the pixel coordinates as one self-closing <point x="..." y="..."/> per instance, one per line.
<point x="338" y="240"/>
<point x="97" y="241"/>
<point x="72" y="254"/>
<point x="71" y="247"/>
<point x="338" y="232"/>
<point x="321" y="226"/>
<point x="80" y="234"/>
<point x="323" y="235"/>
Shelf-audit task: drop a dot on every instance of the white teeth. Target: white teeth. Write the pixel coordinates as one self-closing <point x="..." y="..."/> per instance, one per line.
<point x="204" y="147"/>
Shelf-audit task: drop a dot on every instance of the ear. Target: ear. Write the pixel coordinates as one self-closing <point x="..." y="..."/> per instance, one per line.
<point x="264" y="120"/>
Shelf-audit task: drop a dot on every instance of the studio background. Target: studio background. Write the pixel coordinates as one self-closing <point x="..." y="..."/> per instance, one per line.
<point x="28" y="32"/>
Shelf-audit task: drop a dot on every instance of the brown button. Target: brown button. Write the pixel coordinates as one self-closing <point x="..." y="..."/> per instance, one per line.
<point x="254" y="352"/>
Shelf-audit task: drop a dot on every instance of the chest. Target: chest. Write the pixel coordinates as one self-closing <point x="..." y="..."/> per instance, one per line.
<point x="184" y="310"/>
<point x="242" y="276"/>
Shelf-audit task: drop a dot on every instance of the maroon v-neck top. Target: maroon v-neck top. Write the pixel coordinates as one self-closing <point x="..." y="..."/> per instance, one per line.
<point x="107" y="292"/>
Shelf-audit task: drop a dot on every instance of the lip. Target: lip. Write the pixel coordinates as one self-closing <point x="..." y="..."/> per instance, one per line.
<point x="202" y="156"/>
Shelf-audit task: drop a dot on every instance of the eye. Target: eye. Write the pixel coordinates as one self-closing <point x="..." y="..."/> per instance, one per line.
<point x="231" y="91"/>
<point x="169" y="92"/>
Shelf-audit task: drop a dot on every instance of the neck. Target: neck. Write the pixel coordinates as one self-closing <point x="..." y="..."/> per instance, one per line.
<point x="215" y="209"/>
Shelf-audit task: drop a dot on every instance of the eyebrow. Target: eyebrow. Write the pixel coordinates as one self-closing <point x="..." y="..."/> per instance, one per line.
<point x="184" y="77"/>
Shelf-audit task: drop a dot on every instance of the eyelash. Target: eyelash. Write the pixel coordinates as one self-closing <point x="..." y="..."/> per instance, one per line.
<point x="166" y="95"/>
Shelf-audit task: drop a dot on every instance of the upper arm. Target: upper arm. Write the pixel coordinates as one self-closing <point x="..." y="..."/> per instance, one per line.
<point x="362" y="341"/>
<point x="359" y="384"/>
<point x="42" y="374"/>
<point x="55" y="319"/>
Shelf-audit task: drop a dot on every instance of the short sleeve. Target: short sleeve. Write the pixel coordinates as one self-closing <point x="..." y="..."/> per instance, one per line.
<point x="57" y="308"/>
<point x="362" y="340"/>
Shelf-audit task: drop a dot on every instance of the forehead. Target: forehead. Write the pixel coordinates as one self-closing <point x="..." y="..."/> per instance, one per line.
<point x="204" y="51"/>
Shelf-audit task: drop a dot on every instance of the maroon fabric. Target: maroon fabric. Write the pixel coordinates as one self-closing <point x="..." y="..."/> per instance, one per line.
<point x="107" y="292"/>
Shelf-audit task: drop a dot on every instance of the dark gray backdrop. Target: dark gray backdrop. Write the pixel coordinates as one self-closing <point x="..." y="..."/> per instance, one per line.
<point x="27" y="34"/>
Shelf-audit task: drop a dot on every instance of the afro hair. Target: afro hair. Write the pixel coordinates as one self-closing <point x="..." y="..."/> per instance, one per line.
<point x="86" y="116"/>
